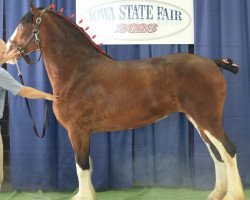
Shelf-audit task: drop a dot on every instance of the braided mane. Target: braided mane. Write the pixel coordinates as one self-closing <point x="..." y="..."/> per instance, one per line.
<point x="83" y="32"/>
<point x="27" y="18"/>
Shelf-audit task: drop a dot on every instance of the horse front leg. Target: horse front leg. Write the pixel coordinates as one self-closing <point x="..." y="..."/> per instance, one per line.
<point x="80" y="143"/>
<point x="86" y="189"/>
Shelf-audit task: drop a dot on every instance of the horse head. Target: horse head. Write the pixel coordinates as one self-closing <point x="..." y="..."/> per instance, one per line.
<point x="64" y="45"/>
<point x="26" y="36"/>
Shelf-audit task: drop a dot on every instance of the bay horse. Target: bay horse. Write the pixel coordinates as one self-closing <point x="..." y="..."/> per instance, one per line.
<point x="99" y="94"/>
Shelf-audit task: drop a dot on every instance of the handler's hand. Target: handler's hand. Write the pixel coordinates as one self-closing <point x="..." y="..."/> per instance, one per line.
<point x="9" y="56"/>
<point x="51" y="97"/>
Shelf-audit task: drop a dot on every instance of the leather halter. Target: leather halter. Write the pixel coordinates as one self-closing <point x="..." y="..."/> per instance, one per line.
<point x="33" y="35"/>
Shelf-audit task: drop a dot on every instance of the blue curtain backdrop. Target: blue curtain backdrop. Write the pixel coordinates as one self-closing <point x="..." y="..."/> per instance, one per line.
<point x="158" y="154"/>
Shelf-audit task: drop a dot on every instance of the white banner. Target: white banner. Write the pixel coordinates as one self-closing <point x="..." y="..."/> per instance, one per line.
<point x="137" y="21"/>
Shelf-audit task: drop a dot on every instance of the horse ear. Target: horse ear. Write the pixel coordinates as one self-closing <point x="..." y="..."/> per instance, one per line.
<point x="33" y="9"/>
<point x="50" y="7"/>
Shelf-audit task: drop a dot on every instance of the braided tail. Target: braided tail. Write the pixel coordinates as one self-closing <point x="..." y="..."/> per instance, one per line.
<point x="227" y="64"/>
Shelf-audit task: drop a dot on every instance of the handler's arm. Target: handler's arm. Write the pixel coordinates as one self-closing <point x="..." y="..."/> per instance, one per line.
<point x="32" y="93"/>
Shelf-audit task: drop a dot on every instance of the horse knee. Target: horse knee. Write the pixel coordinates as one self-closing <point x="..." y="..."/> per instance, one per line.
<point x="80" y="144"/>
<point x="83" y="161"/>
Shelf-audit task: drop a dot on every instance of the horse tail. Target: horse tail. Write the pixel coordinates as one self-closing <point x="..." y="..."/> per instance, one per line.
<point x="227" y="64"/>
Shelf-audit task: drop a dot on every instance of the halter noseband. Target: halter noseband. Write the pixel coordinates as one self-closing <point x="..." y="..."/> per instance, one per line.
<point x="34" y="34"/>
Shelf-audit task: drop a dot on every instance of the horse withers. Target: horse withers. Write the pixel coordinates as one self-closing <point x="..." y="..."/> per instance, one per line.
<point x="97" y="94"/>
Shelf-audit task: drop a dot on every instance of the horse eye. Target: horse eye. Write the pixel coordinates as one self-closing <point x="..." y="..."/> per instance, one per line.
<point x="21" y="26"/>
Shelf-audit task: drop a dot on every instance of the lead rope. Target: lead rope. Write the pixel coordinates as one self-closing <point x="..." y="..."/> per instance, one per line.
<point x="45" y="122"/>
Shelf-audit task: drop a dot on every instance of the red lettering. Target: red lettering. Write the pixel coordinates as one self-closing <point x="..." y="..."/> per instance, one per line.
<point x="121" y="28"/>
<point x="152" y="28"/>
<point x="136" y="28"/>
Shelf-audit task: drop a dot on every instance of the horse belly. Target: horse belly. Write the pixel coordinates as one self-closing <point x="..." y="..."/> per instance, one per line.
<point x="130" y="116"/>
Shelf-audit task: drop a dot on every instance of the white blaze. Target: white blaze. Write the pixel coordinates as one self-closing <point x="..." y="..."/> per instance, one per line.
<point x="8" y="45"/>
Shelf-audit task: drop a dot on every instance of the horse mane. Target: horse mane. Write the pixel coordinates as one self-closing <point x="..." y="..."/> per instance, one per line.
<point x="28" y="18"/>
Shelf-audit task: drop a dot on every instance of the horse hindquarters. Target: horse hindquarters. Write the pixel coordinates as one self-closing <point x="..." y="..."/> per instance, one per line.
<point x="200" y="95"/>
<point x="80" y="143"/>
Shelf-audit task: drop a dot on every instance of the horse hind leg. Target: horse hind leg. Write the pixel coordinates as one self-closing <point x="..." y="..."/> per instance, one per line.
<point x="80" y="143"/>
<point x="227" y="152"/>
<point x="220" y="188"/>
<point x="221" y="149"/>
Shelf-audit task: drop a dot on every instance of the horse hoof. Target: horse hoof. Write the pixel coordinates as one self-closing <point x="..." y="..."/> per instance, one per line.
<point x="230" y="196"/>
<point x="216" y="195"/>
<point x="78" y="197"/>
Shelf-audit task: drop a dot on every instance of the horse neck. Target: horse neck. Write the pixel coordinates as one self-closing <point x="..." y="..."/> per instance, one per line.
<point x="64" y="48"/>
